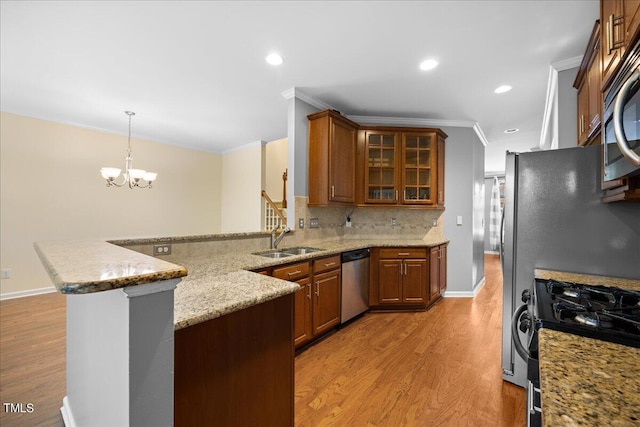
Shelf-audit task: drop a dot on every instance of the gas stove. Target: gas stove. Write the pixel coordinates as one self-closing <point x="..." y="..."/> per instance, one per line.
<point x="601" y="312"/>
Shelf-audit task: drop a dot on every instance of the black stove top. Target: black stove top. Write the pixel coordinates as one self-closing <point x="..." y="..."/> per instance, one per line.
<point x="606" y="313"/>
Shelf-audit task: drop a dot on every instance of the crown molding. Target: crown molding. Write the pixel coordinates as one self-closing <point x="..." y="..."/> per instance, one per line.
<point x="567" y="64"/>
<point x="389" y="121"/>
<point x="295" y="92"/>
<point x="407" y="121"/>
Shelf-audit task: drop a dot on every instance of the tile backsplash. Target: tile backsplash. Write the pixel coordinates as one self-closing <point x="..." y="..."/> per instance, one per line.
<point x="367" y="223"/>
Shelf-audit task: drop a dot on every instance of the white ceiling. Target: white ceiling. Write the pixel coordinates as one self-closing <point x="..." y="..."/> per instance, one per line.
<point x="195" y="74"/>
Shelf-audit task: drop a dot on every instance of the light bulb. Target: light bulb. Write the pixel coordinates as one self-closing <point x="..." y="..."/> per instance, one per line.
<point x="108" y="173"/>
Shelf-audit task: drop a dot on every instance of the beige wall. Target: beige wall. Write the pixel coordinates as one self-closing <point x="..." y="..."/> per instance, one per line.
<point x="51" y="189"/>
<point x="241" y="187"/>
<point x="275" y="165"/>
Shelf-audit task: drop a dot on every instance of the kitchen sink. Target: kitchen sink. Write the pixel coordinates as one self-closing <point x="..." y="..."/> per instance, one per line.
<point x="300" y="250"/>
<point x="274" y="254"/>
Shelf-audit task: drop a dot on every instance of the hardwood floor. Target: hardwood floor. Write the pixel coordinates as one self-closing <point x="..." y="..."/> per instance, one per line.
<point x="434" y="368"/>
<point x="32" y="359"/>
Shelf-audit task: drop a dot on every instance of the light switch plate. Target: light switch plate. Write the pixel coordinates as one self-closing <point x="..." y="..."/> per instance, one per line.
<point x="459" y="220"/>
<point x="314" y="223"/>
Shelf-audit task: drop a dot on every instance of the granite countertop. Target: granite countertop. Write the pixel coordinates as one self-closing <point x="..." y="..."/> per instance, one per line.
<point x="214" y="286"/>
<point x="588" y="279"/>
<point x="222" y="285"/>
<point x="583" y="387"/>
<point x="81" y="267"/>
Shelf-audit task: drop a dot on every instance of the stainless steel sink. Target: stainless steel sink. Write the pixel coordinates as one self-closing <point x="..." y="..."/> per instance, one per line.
<point x="274" y="254"/>
<point x="300" y="250"/>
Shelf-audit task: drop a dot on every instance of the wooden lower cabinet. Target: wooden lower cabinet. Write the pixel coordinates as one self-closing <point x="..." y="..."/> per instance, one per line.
<point x="399" y="278"/>
<point x="407" y="278"/>
<point x="437" y="272"/>
<point x="317" y="302"/>
<point x="326" y="301"/>
<point x="237" y="369"/>
<point x="302" y="328"/>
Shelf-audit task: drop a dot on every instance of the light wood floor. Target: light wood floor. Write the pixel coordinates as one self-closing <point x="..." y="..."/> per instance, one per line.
<point x="434" y="368"/>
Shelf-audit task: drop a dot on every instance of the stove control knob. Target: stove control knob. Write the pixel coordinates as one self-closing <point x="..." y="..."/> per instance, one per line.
<point x="526" y="296"/>
<point x="525" y="323"/>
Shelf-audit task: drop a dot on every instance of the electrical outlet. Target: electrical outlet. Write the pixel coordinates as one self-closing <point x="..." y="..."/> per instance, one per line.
<point x="6" y="273"/>
<point x="435" y="223"/>
<point x="348" y="223"/>
<point x="164" y="249"/>
<point x="300" y="222"/>
<point x="314" y="223"/>
<point x="393" y="222"/>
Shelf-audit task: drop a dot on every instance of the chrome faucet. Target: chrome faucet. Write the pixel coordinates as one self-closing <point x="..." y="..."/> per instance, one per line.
<point x="276" y="240"/>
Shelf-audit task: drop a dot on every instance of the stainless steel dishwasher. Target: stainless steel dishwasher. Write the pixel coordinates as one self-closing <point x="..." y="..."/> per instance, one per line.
<point x="355" y="283"/>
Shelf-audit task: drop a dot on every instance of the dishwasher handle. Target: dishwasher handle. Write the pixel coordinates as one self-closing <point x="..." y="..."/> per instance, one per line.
<point x="355" y="255"/>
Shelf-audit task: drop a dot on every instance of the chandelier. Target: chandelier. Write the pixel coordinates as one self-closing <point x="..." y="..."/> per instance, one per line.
<point x="132" y="177"/>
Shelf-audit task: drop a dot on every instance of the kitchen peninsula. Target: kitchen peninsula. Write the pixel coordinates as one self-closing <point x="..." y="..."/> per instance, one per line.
<point x="121" y="303"/>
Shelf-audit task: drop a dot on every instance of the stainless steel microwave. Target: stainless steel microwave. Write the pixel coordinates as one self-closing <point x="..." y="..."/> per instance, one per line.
<point x="621" y="136"/>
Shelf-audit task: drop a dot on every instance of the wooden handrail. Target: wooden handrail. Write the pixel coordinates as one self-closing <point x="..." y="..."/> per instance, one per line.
<point x="274" y="207"/>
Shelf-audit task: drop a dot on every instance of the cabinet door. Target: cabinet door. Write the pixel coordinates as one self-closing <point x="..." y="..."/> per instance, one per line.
<point x="414" y="281"/>
<point x="434" y="276"/>
<point x="440" y="170"/>
<point x="419" y="163"/>
<point x="611" y="37"/>
<point x="380" y="167"/>
<point x="390" y="281"/>
<point x="631" y="19"/>
<point x="583" y="112"/>
<point x="326" y="303"/>
<point x="595" y="96"/>
<point x="342" y="160"/>
<point x="302" y="313"/>
<point x="443" y="268"/>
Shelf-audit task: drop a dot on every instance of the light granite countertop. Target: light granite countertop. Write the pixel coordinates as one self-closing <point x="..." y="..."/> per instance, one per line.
<point x="87" y="266"/>
<point x="588" y="382"/>
<point x="214" y="286"/>
<point x="224" y="284"/>
<point x="585" y="381"/>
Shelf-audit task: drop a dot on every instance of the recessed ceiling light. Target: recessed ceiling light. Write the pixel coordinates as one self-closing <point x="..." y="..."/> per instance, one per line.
<point x="274" y="59"/>
<point x="503" y="89"/>
<point x="429" y="64"/>
<point x="512" y="130"/>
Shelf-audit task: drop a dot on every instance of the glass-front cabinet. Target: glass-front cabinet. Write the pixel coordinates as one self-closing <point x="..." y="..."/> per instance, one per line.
<point x="419" y="168"/>
<point x="401" y="167"/>
<point x="381" y="171"/>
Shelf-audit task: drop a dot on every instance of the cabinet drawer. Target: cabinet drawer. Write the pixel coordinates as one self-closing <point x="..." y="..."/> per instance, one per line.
<point x="292" y="272"/>
<point x="326" y="264"/>
<point x="403" y="253"/>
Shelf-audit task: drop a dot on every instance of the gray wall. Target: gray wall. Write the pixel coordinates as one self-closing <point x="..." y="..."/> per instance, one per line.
<point x="464" y="176"/>
<point x="567" y="109"/>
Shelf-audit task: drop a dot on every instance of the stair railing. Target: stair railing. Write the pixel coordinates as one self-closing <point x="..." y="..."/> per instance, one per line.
<point x="273" y="222"/>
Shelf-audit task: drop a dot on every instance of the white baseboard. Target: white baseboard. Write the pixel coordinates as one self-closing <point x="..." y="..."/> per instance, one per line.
<point x="29" y="293"/>
<point x="67" y="415"/>
<point x="491" y="253"/>
<point x="465" y="294"/>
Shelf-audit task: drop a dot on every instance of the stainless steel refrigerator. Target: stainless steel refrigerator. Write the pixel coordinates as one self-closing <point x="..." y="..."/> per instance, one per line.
<point x="553" y="219"/>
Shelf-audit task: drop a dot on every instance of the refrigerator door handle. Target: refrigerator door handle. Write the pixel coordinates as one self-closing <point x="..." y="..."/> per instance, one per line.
<point x="502" y="240"/>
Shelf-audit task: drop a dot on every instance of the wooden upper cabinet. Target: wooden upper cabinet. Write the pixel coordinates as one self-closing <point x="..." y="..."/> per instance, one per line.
<point x="419" y="168"/>
<point x="588" y="83"/>
<point x="619" y="22"/>
<point x="611" y="36"/>
<point x="381" y="167"/>
<point x="332" y="158"/>
<point x="401" y="166"/>
<point x="440" y="184"/>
